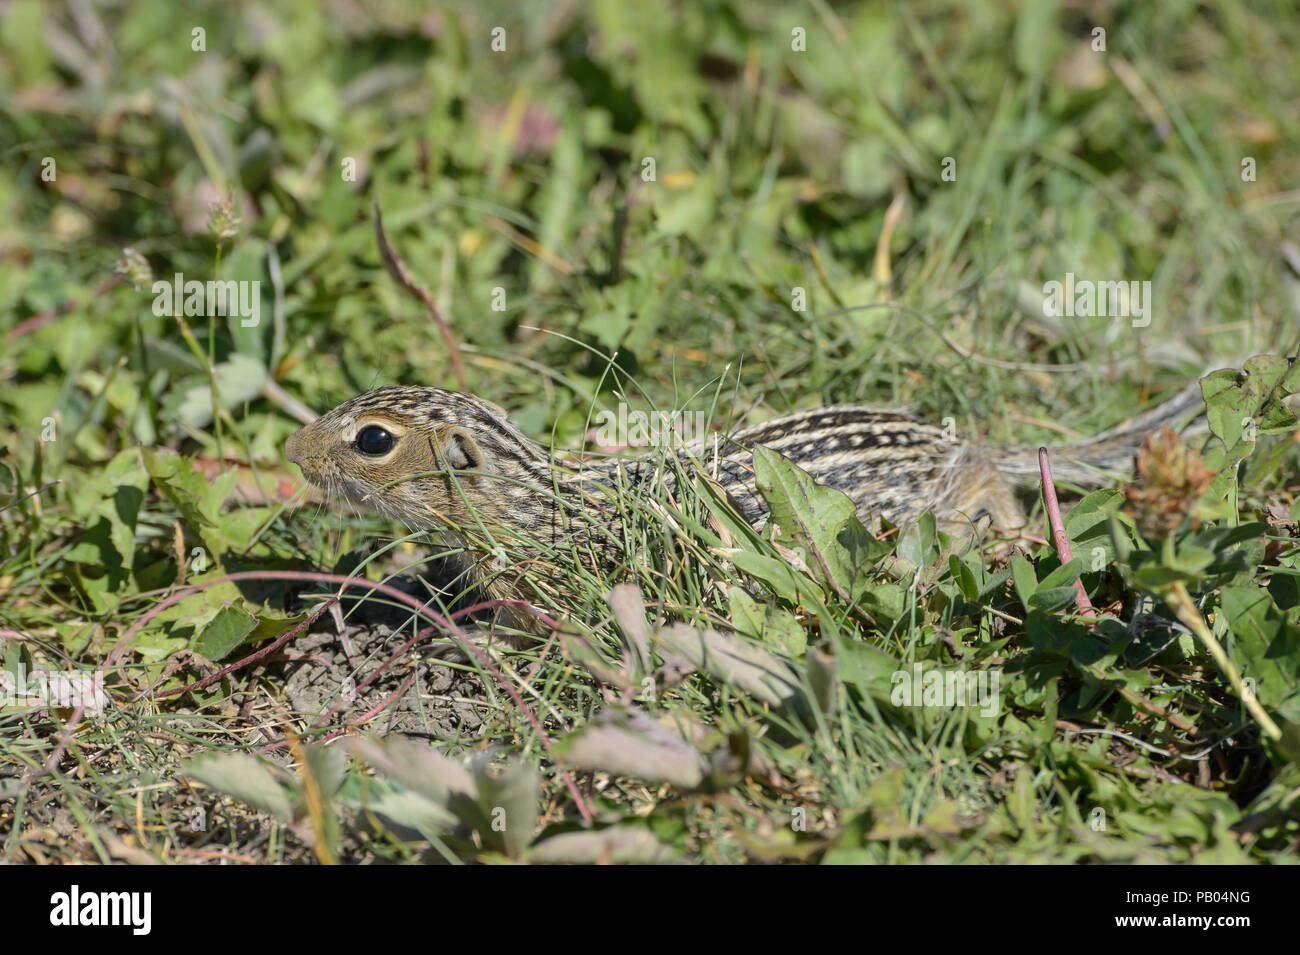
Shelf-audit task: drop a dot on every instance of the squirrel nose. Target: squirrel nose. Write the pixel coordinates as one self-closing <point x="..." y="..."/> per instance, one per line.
<point x="293" y="446"/>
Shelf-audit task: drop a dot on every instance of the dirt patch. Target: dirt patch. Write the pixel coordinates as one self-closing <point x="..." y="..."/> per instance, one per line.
<point x="365" y="674"/>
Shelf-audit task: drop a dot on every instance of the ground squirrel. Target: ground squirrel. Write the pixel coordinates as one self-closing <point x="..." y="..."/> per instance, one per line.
<point x="445" y="461"/>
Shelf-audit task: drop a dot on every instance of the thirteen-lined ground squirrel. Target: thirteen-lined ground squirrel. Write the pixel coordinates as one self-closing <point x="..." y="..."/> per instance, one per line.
<point x="454" y="463"/>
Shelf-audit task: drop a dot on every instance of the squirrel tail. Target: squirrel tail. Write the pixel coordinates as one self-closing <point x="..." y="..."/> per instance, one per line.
<point x="1110" y="454"/>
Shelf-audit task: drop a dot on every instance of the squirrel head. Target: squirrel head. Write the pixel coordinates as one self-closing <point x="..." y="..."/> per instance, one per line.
<point x="428" y="457"/>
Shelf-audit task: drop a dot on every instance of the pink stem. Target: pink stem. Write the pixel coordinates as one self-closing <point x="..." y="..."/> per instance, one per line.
<point x="1058" y="533"/>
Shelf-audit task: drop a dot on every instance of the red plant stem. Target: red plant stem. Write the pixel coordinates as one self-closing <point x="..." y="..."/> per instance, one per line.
<point x="375" y="674"/>
<point x="240" y="664"/>
<point x="1058" y="533"/>
<point x="370" y="713"/>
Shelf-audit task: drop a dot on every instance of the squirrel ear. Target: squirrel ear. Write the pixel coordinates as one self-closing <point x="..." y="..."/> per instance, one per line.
<point x="461" y="451"/>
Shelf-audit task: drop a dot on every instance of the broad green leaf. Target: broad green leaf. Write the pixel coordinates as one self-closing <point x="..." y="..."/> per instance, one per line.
<point x="1265" y="643"/>
<point x="736" y="661"/>
<point x="250" y="779"/>
<point x="404" y="807"/>
<point x="629" y="742"/>
<point x="1037" y="36"/>
<point x="438" y="785"/>
<point x="1063" y="576"/>
<point x="249" y="328"/>
<point x="785" y="581"/>
<point x="774" y="626"/>
<point x="920" y="542"/>
<point x="240" y="379"/>
<point x="781" y="629"/>
<point x="1022" y="575"/>
<point x="197" y="498"/>
<point x="108" y="506"/>
<point x="419" y="767"/>
<point x="226" y="631"/>
<point x="1052" y="598"/>
<point x="965" y="577"/>
<point x="617" y="845"/>
<point x="689" y="211"/>
<point x="1241" y="406"/>
<point x="887" y="603"/>
<point x="509" y="798"/>
<point x="868" y="668"/>
<point x="328" y="765"/>
<point x="746" y="615"/>
<point x="812" y="517"/>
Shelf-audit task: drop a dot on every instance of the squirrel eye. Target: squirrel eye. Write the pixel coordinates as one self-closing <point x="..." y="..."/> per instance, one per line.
<point x="374" y="440"/>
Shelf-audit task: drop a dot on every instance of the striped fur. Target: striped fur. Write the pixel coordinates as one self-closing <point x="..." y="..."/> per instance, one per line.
<point x="890" y="465"/>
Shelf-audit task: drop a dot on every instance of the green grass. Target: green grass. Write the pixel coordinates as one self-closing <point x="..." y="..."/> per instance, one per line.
<point x="750" y="277"/>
